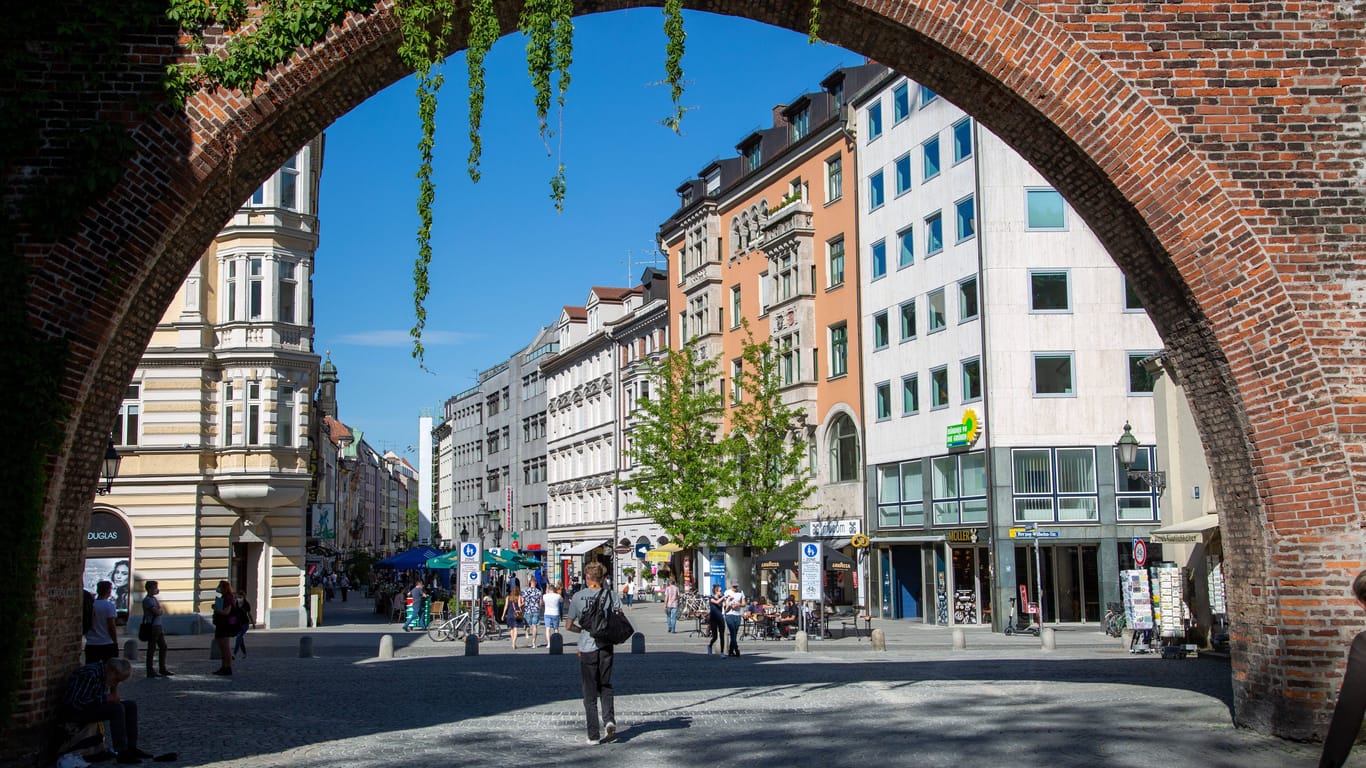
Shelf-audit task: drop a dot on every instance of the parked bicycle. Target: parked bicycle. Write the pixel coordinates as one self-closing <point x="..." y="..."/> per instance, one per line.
<point x="458" y="626"/>
<point x="1115" y="621"/>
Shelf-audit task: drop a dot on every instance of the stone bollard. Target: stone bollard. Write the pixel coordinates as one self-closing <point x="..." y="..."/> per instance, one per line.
<point x="878" y="640"/>
<point x="556" y="644"/>
<point x="960" y="639"/>
<point x="130" y="650"/>
<point x="471" y="645"/>
<point x="386" y="647"/>
<point x="306" y="647"/>
<point x="638" y="642"/>
<point x="1048" y="641"/>
<point x="800" y="640"/>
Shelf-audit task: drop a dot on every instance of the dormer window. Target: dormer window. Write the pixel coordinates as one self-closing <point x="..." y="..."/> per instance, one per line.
<point x="752" y="156"/>
<point x="685" y="195"/>
<point x="713" y="182"/>
<point x="801" y="123"/>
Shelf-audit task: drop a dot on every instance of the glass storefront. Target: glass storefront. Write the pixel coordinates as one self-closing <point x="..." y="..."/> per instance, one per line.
<point x="971" y="585"/>
<point x="1070" y="583"/>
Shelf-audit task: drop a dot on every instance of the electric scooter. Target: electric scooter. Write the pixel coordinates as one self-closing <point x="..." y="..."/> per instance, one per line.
<point x="1018" y="623"/>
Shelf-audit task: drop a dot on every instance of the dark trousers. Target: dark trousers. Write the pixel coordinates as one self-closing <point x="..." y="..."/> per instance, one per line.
<point x="716" y="632"/>
<point x="733" y="627"/>
<point x="157" y="645"/>
<point x="1348" y="712"/>
<point x="122" y="717"/>
<point x="596" y="669"/>
<point x="240" y="645"/>
<point x="94" y="653"/>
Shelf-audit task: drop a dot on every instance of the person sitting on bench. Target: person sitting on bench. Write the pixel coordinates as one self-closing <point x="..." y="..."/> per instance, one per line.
<point x="92" y="696"/>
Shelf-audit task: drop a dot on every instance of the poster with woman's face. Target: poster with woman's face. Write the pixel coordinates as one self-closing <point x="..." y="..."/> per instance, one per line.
<point x="116" y="570"/>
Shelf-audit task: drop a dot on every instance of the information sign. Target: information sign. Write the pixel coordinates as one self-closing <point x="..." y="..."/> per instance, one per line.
<point x="470" y="560"/>
<point x="811" y="571"/>
<point x="1015" y="533"/>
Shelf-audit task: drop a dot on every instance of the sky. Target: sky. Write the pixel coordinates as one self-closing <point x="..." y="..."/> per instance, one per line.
<point x="504" y="261"/>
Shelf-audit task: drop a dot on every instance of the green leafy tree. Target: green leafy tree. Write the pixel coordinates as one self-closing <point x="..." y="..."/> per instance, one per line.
<point x="770" y="484"/>
<point x="680" y="471"/>
<point x="410" y="521"/>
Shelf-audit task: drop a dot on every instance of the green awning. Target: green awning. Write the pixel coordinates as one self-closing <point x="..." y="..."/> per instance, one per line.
<point x="443" y="562"/>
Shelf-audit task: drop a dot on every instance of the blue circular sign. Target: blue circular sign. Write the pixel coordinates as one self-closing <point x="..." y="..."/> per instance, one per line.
<point x="472" y="576"/>
<point x="810" y="550"/>
<point x="469" y="550"/>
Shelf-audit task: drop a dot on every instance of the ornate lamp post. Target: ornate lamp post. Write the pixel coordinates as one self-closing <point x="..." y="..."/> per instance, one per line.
<point x="1127" y="448"/>
<point x="112" y="459"/>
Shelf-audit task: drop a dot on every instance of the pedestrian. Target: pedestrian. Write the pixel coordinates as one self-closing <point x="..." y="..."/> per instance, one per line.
<point x="224" y="625"/>
<point x="626" y="595"/>
<point x="151" y="630"/>
<point x="245" y="620"/>
<point x="345" y="585"/>
<point x="1351" y="705"/>
<point x="734" y="603"/>
<point x="671" y="605"/>
<point x="92" y="696"/>
<point x="102" y="639"/>
<point x="514" y="614"/>
<point x="595" y="663"/>
<point x="533" y="603"/>
<point x="416" y="595"/>
<point x="552" y="603"/>
<point x="716" y="620"/>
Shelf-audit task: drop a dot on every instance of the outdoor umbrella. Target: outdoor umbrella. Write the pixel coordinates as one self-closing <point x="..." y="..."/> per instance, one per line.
<point x="445" y="562"/>
<point x="416" y="557"/>
<point x="788" y="557"/>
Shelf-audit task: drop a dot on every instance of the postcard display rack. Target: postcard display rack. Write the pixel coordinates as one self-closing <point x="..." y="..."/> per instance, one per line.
<point x="1138" y="609"/>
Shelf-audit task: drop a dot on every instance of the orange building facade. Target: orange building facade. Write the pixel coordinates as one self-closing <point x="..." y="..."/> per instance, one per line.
<point x="767" y="240"/>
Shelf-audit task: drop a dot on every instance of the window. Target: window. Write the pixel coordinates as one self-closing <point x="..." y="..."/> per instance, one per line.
<point x="967" y="299"/>
<point x="790" y="357"/>
<point x="229" y="413"/>
<point x="735" y="315"/>
<point x="903" y="174"/>
<point x="1135" y="500"/>
<point x="938" y="318"/>
<point x="254" y="289"/>
<point x="962" y="139"/>
<point x="926" y="95"/>
<point x="901" y="102"/>
<point x="900" y="495"/>
<point x="801" y="124"/>
<point x="835" y="258"/>
<point x="934" y="234"/>
<point x="230" y="291"/>
<point x="130" y="411"/>
<point x="289" y="286"/>
<point x="878" y="259"/>
<point x="874" y="120"/>
<point x="939" y="388"/>
<point x="966" y="216"/>
<point x="1044" y="210"/>
<point x="844" y="452"/>
<point x="905" y="255"/>
<point x="880" y="330"/>
<point x="908" y="320"/>
<point x="1049" y="292"/>
<point x="1131" y="301"/>
<point x="834" y="179"/>
<point x="931" y="153"/>
<point x="284" y="416"/>
<point x="839" y="350"/>
<point x="1053" y="374"/>
<point x="959" y="489"/>
<point x="1054" y="485"/>
<point x="736" y="379"/>
<point x="765" y="298"/>
<point x="875" y="191"/>
<point x="910" y="395"/>
<point x="972" y="380"/>
<point x="787" y="277"/>
<point x="883" y="398"/>
<point x="752" y="157"/>
<point x="289" y="184"/>
<point x="254" y="413"/>
<point x="1141" y="381"/>
<point x="258" y="197"/>
<point x="533" y="471"/>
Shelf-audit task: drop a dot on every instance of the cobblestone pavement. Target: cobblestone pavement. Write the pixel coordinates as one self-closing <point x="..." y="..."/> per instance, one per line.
<point x="1002" y="702"/>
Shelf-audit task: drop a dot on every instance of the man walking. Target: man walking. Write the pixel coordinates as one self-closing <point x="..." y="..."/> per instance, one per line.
<point x="671" y="605"/>
<point x="152" y="629"/>
<point x="102" y="639"/>
<point x="595" y="661"/>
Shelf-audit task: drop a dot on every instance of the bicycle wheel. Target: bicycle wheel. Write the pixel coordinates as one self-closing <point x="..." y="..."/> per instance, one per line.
<point x="480" y="629"/>
<point x="438" y="631"/>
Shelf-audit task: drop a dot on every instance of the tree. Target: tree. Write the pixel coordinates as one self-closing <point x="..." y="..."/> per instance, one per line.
<point x="680" y="471"/>
<point x="410" y="527"/>
<point x="767" y="456"/>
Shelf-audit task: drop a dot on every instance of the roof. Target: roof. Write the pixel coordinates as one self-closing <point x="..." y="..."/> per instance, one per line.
<point x="613" y="294"/>
<point x="576" y="313"/>
<point x="337" y="431"/>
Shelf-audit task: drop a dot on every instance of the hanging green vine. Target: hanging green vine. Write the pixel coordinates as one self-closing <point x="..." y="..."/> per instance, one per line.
<point x="483" y="34"/>
<point x="813" y="27"/>
<point x="673" y="60"/>
<point x="549" y="29"/>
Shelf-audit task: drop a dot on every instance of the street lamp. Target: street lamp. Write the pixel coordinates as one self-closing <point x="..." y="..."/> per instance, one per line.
<point x="497" y="534"/>
<point x="111" y="468"/>
<point x="1127" y="448"/>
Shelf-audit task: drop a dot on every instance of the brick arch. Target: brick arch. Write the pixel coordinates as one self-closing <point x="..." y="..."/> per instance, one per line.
<point x="1162" y="131"/>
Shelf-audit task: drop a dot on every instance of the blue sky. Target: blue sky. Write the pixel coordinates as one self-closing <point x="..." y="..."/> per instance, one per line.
<point x="504" y="261"/>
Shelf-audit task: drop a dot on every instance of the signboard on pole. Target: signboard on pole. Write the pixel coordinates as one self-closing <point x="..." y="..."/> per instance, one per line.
<point x="1140" y="552"/>
<point x="470" y="559"/>
<point x="811" y="571"/>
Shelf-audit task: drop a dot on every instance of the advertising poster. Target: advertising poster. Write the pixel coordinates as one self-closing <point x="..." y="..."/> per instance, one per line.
<point x="116" y="570"/>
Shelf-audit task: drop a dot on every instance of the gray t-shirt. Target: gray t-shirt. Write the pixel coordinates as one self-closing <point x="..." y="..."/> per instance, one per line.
<point x="151" y="610"/>
<point x="578" y="606"/>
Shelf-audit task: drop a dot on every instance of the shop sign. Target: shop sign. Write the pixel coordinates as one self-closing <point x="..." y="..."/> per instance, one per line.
<point x="107" y="531"/>
<point x="965" y="433"/>
<point x="833" y="529"/>
<point x="655" y="556"/>
<point x="962" y="536"/>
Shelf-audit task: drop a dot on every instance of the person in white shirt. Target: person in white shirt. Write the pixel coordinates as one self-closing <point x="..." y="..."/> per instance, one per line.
<point x="552" y="601"/>
<point x="102" y="639"/>
<point x="733" y="603"/>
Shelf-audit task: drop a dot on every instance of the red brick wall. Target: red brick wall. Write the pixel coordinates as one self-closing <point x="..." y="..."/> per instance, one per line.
<point x="1216" y="149"/>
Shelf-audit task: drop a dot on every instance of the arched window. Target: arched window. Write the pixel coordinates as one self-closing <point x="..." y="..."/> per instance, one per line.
<point x="844" y="453"/>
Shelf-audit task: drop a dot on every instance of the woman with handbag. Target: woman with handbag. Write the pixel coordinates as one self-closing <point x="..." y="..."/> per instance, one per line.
<point x="514" y="613"/>
<point x="150" y="631"/>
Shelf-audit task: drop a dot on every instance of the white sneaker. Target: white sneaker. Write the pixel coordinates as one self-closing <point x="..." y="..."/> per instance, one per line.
<point x="610" y="733"/>
<point x="72" y="760"/>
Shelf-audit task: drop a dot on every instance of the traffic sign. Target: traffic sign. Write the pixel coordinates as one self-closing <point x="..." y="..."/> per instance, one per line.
<point x="811" y="571"/>
<point x="1140" y="552"/>
<point x="641" y="549"/>
<point x="470" y="566"/>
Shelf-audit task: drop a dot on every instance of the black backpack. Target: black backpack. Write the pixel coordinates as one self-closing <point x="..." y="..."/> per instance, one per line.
<point x="605" y="624"/>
